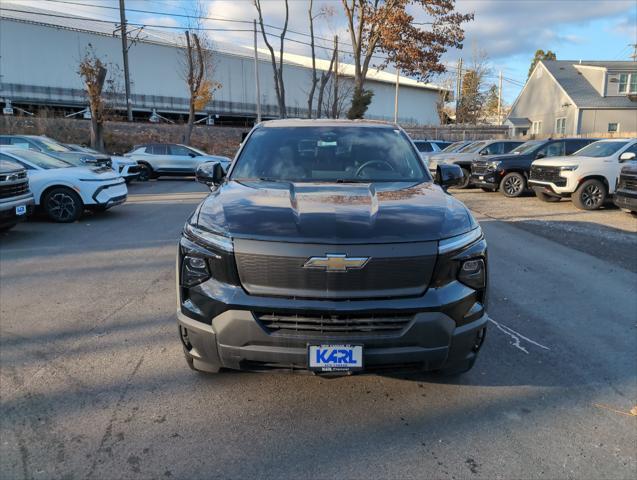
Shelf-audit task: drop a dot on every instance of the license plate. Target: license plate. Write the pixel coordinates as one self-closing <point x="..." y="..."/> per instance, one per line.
<point x="21" y="210"/>
<point x="335" y="358"/>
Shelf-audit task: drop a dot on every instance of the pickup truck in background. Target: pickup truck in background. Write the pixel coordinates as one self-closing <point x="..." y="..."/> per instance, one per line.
<point x="16" y="199"/>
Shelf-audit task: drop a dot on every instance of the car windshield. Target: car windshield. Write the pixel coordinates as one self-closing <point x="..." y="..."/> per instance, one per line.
<point x="52" y="145"/>
<point x="472" y="147"/>
<point x="39" y="159"/>
<point x="329" y="154"/>
<point x="454" y="146"/>
<point x="527" y="147"/>
<point x="600" y="149"/>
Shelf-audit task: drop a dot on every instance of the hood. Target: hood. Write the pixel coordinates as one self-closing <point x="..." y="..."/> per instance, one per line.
<point x="10" y="167"/>
<point x="89" y="173"/>
<point x="502" y="157"/>
<point x="334" y="213"/>
<point x="122" y="160"/>
<point x="562" y="161"/>
<point x="215" y="158"/>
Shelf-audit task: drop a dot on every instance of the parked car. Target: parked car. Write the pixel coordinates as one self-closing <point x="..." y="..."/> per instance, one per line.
<point x="452" y="147"/>
<point x="126" y="168"/>
<point x="157" y="159"/>
<point x="64" y="191"/>
<point x="626" y="192"/>
<point x="16" y="199"/>
<point x="509" y="172"/>
<point x="332" y="258"/>
<point x="53" y="148"/>
<point x="587" y="177"/>
<point x="464" y="157"/>
<point x="428" y="146"/>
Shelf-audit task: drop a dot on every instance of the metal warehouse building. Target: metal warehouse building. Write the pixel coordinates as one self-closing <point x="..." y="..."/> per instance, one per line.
<point x="39" y="57"/>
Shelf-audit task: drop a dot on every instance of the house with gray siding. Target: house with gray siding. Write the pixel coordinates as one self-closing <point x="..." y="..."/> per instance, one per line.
<point x="565" y="97"/>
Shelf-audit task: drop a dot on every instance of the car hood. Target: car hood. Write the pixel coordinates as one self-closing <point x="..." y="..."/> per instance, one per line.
<point x="502" y="157"/>
<point x="98" y="174"/>
<point x="334" y="213"/>
<point x="563" y="161"/>
<point x="122" y="160"/>
<point x="214" y="158"/>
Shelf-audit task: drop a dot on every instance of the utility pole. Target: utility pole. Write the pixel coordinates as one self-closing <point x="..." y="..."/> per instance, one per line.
<point x="124" y="32"/>
<point x="500" y="98"/>
<point x="396" y="96"/>
<point x="256" y="74"/>
<point x="335" y="103"/>
<point x="458" y="89"/>
<point x="634" y="55"/>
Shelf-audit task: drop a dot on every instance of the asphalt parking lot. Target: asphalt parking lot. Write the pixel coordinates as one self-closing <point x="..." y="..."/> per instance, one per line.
<point x="94" y="385"/>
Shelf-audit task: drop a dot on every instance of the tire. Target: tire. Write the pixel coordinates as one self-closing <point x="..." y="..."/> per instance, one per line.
<point x="145" y="172"/>
<point x="63" y="205"/>
<point x="513" y="185"/>
<point x="466" y="174"/>
<point x="545" y="197"/>
<point x="590" y="195"/>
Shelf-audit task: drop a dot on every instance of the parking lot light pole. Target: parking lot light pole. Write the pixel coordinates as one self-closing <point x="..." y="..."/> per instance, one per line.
<point x="256" y="74"/>
<point x="396" y="96"/>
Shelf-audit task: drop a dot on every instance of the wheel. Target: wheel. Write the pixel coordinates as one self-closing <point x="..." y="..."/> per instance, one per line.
<point x="466" y="174"/>
<point x="513" y="185"/>
<point x="63" y="205"/>
<point x="145" y="173"/>
<point x="590" y="195"/>
<point x="485" y="189"/>
<point x="545" y="197"/>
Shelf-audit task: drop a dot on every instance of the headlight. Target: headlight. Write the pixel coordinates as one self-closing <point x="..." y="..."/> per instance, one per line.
<point x="460" y="241"/>
<point x="569" y="168"/>
<point x="208" y="238"/>
<point x="472" y="273"/>
<point x="491" y="166"/>
<point x="194" y="270"/>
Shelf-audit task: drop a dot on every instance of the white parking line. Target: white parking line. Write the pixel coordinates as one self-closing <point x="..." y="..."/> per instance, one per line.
<point x="516" y="337"/>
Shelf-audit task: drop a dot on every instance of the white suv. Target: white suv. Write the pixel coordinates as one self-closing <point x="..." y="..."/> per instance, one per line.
<point x="588" y="176"/>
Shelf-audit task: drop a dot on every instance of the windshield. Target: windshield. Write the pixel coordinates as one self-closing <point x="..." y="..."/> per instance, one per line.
<point x="39" y="159"/>
<point x="52" y="145"/>
<point x="472" y="147"/>
<point x="600" y="149"/>
<point x="527" y="147"/>
<point x="329" y="154"/>
<point x="454" y="146"/>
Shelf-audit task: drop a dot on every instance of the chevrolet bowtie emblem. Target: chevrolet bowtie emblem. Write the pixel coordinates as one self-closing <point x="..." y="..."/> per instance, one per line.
<point x="336" y="263"/>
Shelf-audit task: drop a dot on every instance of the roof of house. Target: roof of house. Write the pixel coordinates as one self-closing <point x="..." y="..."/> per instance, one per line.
<point x="580" y="90"/>
<point x="518" y="121"/>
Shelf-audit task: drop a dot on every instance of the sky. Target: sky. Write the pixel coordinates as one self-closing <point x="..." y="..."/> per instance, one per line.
<point x="508" y="32"/>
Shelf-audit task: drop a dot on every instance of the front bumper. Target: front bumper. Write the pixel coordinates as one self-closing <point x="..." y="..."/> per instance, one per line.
<point x="8" y="215"/>
<point x="485" y="180"/>
<point x="222" y="326"/>
<point x="110" y="195"/>
<point x="626" y="199"/>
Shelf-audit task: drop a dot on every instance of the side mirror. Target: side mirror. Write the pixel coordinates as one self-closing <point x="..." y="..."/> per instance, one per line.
<point x="210" y="173"/>
<point x="192" y="154"/>
<point x="484" y="152"/>
<point x="448" y="175"/>
<point x="626" y="156"/>
<point x="540" y="155"/>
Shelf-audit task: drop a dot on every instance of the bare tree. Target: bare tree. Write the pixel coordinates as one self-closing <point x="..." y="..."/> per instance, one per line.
<point x="325" y="77"/>
<point x="279" y="86"/>
<point x="93" y="72"/>
<point x="315" y="78"/>
<point x="335" y="103"/>
<point x="197" y="69"/>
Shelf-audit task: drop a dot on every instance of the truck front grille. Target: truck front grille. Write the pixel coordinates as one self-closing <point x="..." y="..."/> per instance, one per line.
<point x="321" y="324"/>
<point x="628" y="183"/>
<point x="14" y="189"/>
<point x="479" y="168"/>
<point x="547" y="174"/>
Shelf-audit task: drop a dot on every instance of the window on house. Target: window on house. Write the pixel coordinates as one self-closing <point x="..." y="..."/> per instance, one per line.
<point x="613" y="127"/>
<point x="536" y="128"/>
<point x="560" y="125"/>
<point x="628" y="83"/>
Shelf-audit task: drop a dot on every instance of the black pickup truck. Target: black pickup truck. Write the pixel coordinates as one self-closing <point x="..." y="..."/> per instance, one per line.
<point x="327" y="247"/>
<point x="626" y="192"/>
<point x="510" y="172"/>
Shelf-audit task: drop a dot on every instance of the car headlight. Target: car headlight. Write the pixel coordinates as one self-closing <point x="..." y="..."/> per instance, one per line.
<point x="209" y="238"/>
<point x="491" y="166"/>
<point x="473" y="273"/>
<point x="460" y="241"/>
<point x="194" y="270"/>
<point x="569" y="168"/>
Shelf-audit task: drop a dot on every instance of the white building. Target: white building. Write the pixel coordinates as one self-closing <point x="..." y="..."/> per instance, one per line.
<point x="39" y="57"/>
